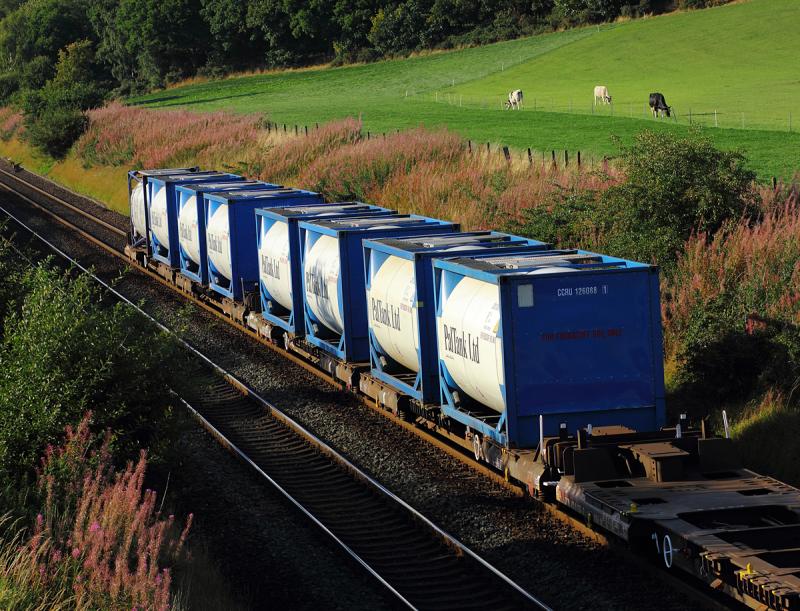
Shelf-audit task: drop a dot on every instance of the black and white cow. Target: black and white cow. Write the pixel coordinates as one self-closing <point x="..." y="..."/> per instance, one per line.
<point x="514" y="99"/>
<point x="659" y="105"/>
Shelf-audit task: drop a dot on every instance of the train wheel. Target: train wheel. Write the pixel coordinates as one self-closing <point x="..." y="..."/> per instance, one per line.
<point x="476" y="446"/>
<point x="667" y="551"/>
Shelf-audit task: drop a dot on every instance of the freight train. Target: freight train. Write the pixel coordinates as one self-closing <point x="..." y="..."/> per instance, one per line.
<point x="545" y="363"/>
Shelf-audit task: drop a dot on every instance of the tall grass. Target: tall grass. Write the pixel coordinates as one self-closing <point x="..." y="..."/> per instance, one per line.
<point x="421" y="171"/>
<point x="99" y="541"/>
<point x="753" y="268"/>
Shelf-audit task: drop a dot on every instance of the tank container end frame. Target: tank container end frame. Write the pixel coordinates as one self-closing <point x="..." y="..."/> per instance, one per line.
<point x="534" y="381"/>
<point x="141" y="177"/>
<point x="198" y="272"/>
<point x="168" y="253"/>
<point x="242" y="253"/>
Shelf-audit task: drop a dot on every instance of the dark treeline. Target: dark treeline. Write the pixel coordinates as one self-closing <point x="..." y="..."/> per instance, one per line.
<point x="61" y="57"/>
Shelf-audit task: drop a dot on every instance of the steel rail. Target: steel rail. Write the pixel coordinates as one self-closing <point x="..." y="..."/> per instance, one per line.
<point x="297" y="428"/>
<point x="66" y="204"/>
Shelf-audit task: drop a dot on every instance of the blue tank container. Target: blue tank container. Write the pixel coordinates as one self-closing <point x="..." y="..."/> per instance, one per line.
<point x="555" y="337"/>
<point x="162" y="211"/>
<point x="400" y="303"/>
<point x="192" y="223"/>
<point x="137" y="198"/>
<point x="332" y="258"/>
<point x="280" y="275"/>
<point x="230" y="221"/>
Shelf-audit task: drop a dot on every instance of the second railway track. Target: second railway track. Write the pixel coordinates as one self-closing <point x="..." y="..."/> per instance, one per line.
<point x="421" y="565"/>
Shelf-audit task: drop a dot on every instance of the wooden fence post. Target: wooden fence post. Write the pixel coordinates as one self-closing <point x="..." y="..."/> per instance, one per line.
<point x="295" y="130"/>
<point x="566" y="158"/>
<point x="306" y="128"/>
<point x="579" y="159"/>
<point x="284" y="128"/>
<point x="553" y="155"/>
<point x="507" y="154"/>
<point x="469" y="146"/>
<point x="530" y="157"/>
<point x="488" y="150"/>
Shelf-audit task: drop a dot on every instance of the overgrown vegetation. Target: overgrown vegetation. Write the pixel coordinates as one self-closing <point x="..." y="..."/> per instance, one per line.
<point x="98" y="541"/>
<point x="79" y="530"/>
<point x="61" y="355"/>
<point x="673" y="187"/>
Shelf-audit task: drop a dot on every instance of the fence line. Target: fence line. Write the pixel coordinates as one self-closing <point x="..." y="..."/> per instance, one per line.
<point x="712" y="117"/>
<point x="579" y="158"/>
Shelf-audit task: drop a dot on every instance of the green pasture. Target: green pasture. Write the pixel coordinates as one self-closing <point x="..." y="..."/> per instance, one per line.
<point x="728" y="67"/>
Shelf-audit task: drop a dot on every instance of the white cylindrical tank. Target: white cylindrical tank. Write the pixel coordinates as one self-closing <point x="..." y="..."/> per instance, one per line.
<point x="392" y="308"/>
<point x="468" y="341"/>
<point x="188" y="232"/>
<point x="218" y="241"/>
<point x="321" y="270"/>
<point x="158" y="217"/>
<point x="273" y="256"/>
<point x="137" y="210"/>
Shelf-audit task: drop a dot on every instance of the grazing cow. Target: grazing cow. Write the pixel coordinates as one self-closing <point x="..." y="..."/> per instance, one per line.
<point x="659" y="105"/>
<point x="601" y="95"/>
<point x="514" y="99"/>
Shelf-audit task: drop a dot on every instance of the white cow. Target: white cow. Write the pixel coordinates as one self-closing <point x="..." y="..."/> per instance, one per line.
<point x="601" y="95"/>
<point x="514" y="99"/>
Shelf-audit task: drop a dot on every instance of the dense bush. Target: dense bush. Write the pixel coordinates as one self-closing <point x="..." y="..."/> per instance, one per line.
<point x="63" y="352"/>
<point x="674" y="186"/>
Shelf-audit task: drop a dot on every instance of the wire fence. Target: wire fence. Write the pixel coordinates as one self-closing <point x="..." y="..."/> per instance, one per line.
<point x="704" y="116"/>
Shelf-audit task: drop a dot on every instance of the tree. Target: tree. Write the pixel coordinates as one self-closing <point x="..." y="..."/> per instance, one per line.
<point x="54" y="114"/>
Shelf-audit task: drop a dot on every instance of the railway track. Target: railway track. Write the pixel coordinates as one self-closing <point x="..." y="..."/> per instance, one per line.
<point x="422" y="566"/>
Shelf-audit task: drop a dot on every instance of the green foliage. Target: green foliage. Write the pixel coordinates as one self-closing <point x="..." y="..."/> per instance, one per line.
<point x="54" y="113"/>
<point x="54" y="130"/>
<point x="63" y="351"/>
<point x="566" y="217"/>
<point x="674" y="186"/>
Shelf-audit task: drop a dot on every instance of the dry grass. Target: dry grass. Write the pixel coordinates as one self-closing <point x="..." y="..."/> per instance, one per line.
<point x="421" y="171"/>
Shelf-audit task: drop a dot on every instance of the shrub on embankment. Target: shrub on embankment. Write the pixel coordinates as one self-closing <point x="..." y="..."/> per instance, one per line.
<point x="62" y="353"/>
<point x="78" y="528"/>
<point x="97" y="541"/>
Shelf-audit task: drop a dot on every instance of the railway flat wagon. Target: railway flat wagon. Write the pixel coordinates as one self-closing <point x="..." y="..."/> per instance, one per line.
<point x="192" y="223"/>
<point x="532" y="343"/>
<point x="162" y="212"/>
<point x="230" y="222"/>
<point x="333" y="277"/>
<point x="280" y="275"/>
<point x="402" y="319"/>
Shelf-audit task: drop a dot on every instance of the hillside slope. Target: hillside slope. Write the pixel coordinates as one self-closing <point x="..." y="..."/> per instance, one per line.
<point x="736" y="59"/>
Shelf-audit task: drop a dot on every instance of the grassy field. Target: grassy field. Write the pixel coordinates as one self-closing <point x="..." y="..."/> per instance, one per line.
<point x="738" y="60"/>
